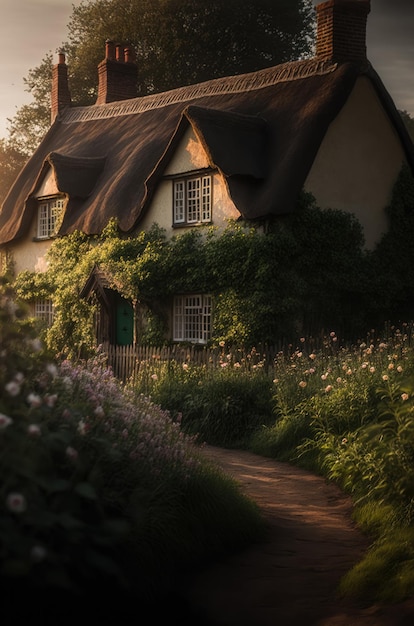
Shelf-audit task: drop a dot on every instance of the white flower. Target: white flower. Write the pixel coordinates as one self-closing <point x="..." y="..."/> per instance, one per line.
<point x="5" y="421"/>
<point x="13" y="388"/>
<point x="82" y="427"/>
<point x="51" y="400"/>
<point x="328" y="388"/>
<point x="99" y="412"/>
<point x="303" y="384"/>
<point x="16" y="502"/>
<point x="51" y="369"/>
<point x="34" y="400"/>
<point x="404" y="396"/>
<point x="34" y="430"/>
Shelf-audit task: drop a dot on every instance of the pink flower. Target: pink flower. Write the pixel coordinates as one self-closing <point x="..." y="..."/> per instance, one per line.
<point x="51" y="400"/>
<point x="5" y="421"/>
<point x="328" y="388"/>
<point x="16" y="502"/>
<point x="34" y="400"/>
<point x="303" y="384"/>
<point x="71" y="453"/>
<point x="12" y="388"/>
<point x="404" y="396"/>
<point x="34" y="430"/>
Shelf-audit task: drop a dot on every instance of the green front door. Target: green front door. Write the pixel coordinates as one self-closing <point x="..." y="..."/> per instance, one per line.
<point x="124" y="323"/>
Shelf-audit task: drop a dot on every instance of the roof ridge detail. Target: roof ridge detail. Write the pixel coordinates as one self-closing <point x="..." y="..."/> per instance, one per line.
<point x="293" y="70"/>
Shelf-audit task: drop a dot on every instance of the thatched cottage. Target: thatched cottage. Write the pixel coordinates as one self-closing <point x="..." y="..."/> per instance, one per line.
<point x="236" y="147"/>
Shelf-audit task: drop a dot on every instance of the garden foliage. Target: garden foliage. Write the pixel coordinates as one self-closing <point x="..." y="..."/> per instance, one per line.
<point x="307" y="274"/>
<point x="103" y="498"/>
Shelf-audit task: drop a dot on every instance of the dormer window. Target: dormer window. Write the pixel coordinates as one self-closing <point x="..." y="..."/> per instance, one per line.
<point x="50" y="212"/>
<point x="192" y="200"/>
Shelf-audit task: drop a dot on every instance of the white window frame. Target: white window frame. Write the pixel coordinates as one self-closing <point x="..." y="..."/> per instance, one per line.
<point x="192" y="318"/>
<point x="45" y="310"/>
<point x="49" y="215"/>
<point x="193" y="200"/>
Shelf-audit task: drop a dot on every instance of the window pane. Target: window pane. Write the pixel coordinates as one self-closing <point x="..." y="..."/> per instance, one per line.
<point x="192" y="318"/>
<point x="42" y="230"/>
<point x="206" y="199"/>
<point x="44" y="310"/>
<point x="49" y="214"/>
<point x="179" y="202"/>
<point x="193" y="200"/>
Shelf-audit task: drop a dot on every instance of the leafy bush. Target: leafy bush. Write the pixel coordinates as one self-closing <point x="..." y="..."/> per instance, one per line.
<point x="103" y="499"/>
<point x="221" y="406"/>
<point x="348" y="413"/>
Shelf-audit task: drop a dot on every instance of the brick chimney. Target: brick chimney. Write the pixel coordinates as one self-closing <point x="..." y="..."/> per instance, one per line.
<point x="60" y="96"/>
<point x="341" y="30"/>
<point x="117" y="74"/>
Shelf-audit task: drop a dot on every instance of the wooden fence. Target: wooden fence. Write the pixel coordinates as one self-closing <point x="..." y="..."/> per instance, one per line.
<point x="126" y="361"/>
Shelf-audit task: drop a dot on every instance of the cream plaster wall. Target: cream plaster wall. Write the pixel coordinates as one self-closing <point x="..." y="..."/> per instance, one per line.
<point x="189" y="156"/>
<point x="48" y="187"/>
<point x="358" y="162"/>
<point x="28" y="253"/>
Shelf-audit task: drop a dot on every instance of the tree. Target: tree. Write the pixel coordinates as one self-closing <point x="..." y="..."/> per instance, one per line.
<point x="409" y="123"/>
<point x="177" y="42"/>
<point x="11" y="161"/>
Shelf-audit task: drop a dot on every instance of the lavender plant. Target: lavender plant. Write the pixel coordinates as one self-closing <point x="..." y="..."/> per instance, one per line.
<point x="102" y="496"/>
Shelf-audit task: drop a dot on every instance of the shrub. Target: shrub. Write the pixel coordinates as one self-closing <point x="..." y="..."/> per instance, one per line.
<point x="220" y="406"/>
<point x="103" y="499"/>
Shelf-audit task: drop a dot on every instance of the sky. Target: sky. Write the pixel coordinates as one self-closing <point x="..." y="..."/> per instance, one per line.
<point x="29" y="29"/>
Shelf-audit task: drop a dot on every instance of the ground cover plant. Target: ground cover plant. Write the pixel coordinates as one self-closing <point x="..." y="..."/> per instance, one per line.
<point x="104" y="500"/>
<point x="348" y="413"/>
<point x="222" y="405"/>
<point x="343" y="411"/>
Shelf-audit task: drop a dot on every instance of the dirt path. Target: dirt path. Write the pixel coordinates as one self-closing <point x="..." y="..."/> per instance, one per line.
<point x="292" y="579"/>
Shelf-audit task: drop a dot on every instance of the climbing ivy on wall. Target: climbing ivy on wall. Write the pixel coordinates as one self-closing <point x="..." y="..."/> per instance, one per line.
<point x="308" y="274"/>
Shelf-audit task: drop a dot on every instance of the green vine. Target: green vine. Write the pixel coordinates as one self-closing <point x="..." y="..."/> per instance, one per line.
<point x="308" y="274"/>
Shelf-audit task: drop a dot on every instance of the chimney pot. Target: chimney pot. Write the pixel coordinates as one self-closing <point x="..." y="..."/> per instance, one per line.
<point x="109" y="50"/>
<point x="129" y="54"/>
<point x="120" y="53"/>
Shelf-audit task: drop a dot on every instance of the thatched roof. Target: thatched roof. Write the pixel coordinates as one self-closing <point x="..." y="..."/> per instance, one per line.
<point x="260" y="130"/>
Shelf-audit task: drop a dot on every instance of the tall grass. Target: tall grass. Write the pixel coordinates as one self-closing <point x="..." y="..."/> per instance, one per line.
<point x="223" y="405"/>
<point x="346" y="412"/>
